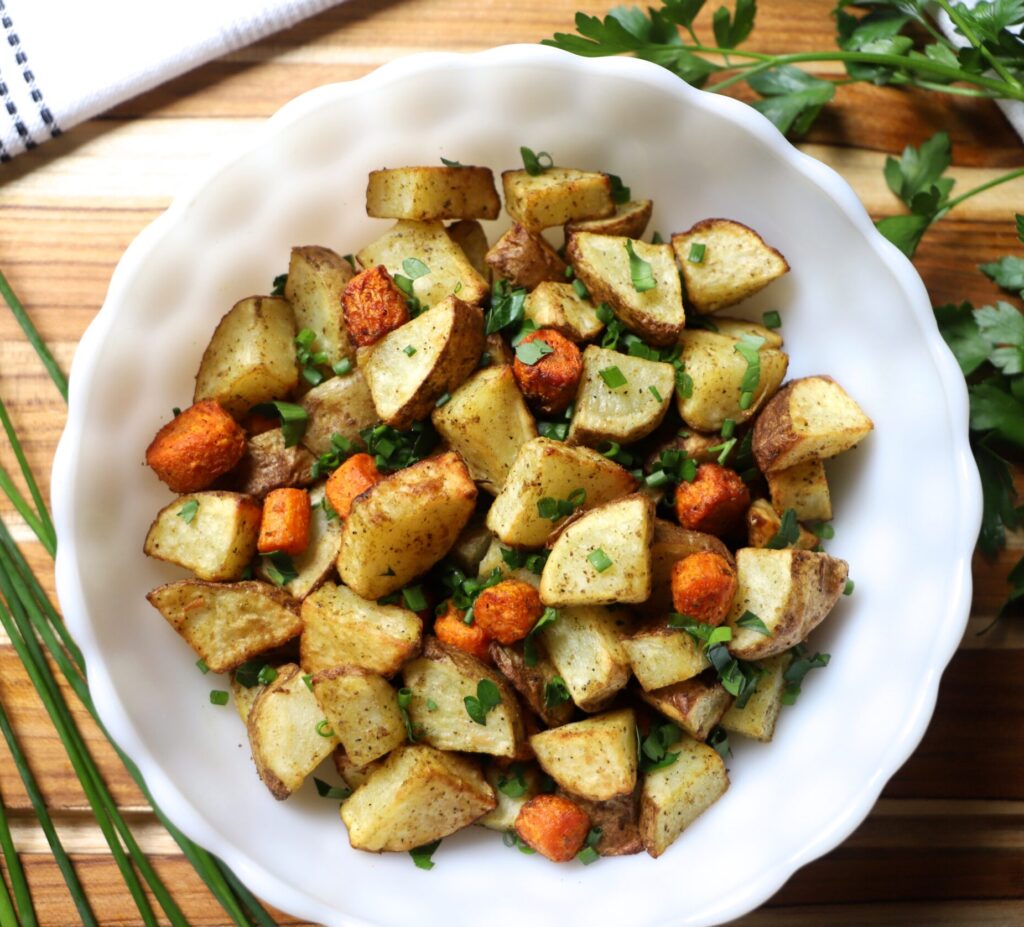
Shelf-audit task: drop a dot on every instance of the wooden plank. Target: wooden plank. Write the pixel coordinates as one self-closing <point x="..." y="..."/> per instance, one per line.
<point x="932" y="913"/>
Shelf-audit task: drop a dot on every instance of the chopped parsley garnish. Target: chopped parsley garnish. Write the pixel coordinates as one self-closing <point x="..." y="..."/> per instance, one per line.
<point x="640" y="270"/>
<point x="771" y="320"/>
<point x="341" y="450"/>
<point x="279" y="568"/>
<point x="293" y="419"/>
<point x="751" y="622"/>
<point x="277" y="287"/>
<point x="530" y="655"/>
<point x="533" y="163"/>
<point x="506" y="309"/>
<point x="654" y="752"/>
<point x="613" y="377"/>
<point x="392" y="449"/>
<point x="530" y="352"/>
<point x="487" y="698"/>
<point x="554" y="509"/>
<point x="518" y="559"/>
<point x="555" y="692"/>
<point x="404" y="699"/>
<point x="464" y="589"/>
<point x="309" y="360"/>
<point x="581" y="289"/>
<point x="325" y="790"/>
<point x="620" y="192"/>
<point x="589" y="852"/>
<point x="599" y="560"/>
<point x="798" y="669"/>
<point x="738" y="677"/>
<point x="696" y="255"/>
<point x="749" y="346"/>
<point x="448" y="163"/>
<point x="188" y="511"/>
<point x="218" y="697"/>
<point x="513" y="783"/>
<point x="718" y="738"/>
<point x="788" y="533"/>
<point x="421" y="856"/>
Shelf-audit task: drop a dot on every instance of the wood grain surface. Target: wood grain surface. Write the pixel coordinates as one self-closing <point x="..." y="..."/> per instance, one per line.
<point x="945" y="844"/>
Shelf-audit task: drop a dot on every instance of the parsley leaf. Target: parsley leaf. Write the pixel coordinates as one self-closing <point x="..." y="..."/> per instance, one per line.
<point x="639" y="270"/>
<point x="530" y="655"/>
<point x="530" y="352"/>
<point x="800" y="666"/>
<point x="506" y="308"/>
<point x="279" y="568"/>
<point x="792" y="98"/>
<point x="188" y="511"/>
<point x="392" y="449"/>
<point x="1007" y="272"/>
<point x="421" y="855"/>
<point x="1003" y="326"/>
<point x="654" y="752"/>
<point x="555" y="692"/>
<point x="487" y="698"/>
<point x="788" y="533"/>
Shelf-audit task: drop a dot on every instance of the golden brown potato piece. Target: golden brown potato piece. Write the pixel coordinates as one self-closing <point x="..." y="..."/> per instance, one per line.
<point x="340" y="629"/>
<point x="251" y="357"/>
<point x="352" y="774"/>
<point x="354" y="477"/>
<point x="213" y="534"/>
<point x="714" y="502"/>
<point x="196" y="447"/>
<point x="285" y="525"/>
<point x="470" y="236"/>
<point x="670" y="544"/>
<point x="703" y="587"/>
<point x="555" y="826"/>
<point x="498" y="773"/>
<point x="227" y="623"/>
<point x="451" y="629"/>
<point x="660" y="656"/>
<point x="417" y="795"/>
<point x="549" y="383"/>
<point x="629" y="220"/>
<point x="724" y="262"/>
<point x="316" y="282"/>
<point x="757" y="718"/>
<point x="809" y="419"/>
<point x="604" y="263"/>
<point x="559" y="306"/>
<point x="432" y="193"/>
<point x="373" y="306"/>
<point x="406" y="523"/>
<point x="536" y="684"/>
<point x="556" y="196"/>
<point x="269" y="465"/>
<point x="508" y="611"/>
<point x="245" y="697"/>
<point x="737" y="328"/>
<point x="524" y="259"/>
<point x="695" y="705"/>
<point x="412" y="368"/>
<point x="802" y="488"/>
<point x="791" y="591"/>
<point x="763" y="523"/>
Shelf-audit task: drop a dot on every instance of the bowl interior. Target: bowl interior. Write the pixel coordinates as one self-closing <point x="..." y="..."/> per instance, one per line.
<point x="849" y="308"/>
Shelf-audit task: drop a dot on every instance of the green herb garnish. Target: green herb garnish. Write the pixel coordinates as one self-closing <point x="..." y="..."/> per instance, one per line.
<point x="771" y="320"/>
<point x="421" y="856"/>
<point x="201" y="666"/>
<point x="530" y="352"/>
<point x="277" y="287"/>
<point x="788" y="533"/>
<point x="325" y="790"/>
<point x="293" y="419"/>
<point x="404" y="699"/>
<point x="341" y="450"/>
<point x="620" y="192"/>
<point x="310" y="361"/>
<point x="751" y="622"/>
<point x="530" y="655"/>
<point x="279" y="568"/>
<point x="324" y="729"/>
<point x="589" y="852"/>
<point x="599" y="560"/>
<point x="718" y="738"/>
<point x="414" y="598"/>
<point x="556" y="692"/>
<point x="848" y="588"/>
<point x="533" y="163"/>
<point x="513" y="783"/>
<point x="749" y="346"/>
<point x="696" y="255"/>
<point x="487" y="698"/>
<point x="218" y="697"/>
<point x="554" y="509"/>
<point x="798" y="669"/>
<point x="393" y="450"/>
<point x="613" y="377"/>
<point x="640" y="270"/>
<point x="188" y="511"/>
<point x="654" y="752"/>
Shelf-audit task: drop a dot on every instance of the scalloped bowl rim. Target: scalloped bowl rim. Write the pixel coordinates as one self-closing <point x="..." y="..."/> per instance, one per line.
<point x="84" y="369"/>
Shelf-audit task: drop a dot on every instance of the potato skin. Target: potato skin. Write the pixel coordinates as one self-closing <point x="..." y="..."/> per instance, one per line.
<point x="196" y="447"/>
<point x="449" y="628"/>
<point x="356" y="475"/>
<point x="508" y="611"/>
<point x="703" y="587"/>
<point x="373" y="306"/>
<point x="714" y="501"/>
<point x="555" y="826"/>
<point x="550" y="384"/>
<point x="285" y="525"/>
<point x="268" y="464"/>
<point x="524" y="258"/>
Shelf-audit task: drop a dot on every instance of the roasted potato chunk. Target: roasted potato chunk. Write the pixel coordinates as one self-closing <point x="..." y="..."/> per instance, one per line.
<point x="227" y="623"/>
<point x="447" y="676"/>
<point x="619" y="821"/>
<point x="611" y="266"/>
<point x="548" y="382"/>
<point x="508" y="610"/>
<point x="585" y="646"/>
<point x="213" y="534"/>
<point x="670" y="544"/>
<point x="757" y="718"/>
<point x="554" y="826"/>
<point x="244" y="697"/>
<point x="559" y="306"/>
<point x="352" y="774"/>
<point x="724" y="262"/>
<point x="602" y="557"/>
<point x="629" y="220"/>
<point x="620" y="398"/>
<point x="486" y="421"/>
<point x="425" y="193"/>
<point x="339" y="406"/>
<point x="316" y="281"/>
<point x="373" y="306"/>
<point x="316" y="563"/>
<point x="251" y="357"/>
<point x="549" y="469"/>
<point x="417" y="795"/>
<point x="595" y="758"/>
<point x="802" y="488"/>
<point x="341" y="629"/>
<point x="660" y="656"/>
<point x="503" y="817"/>
<point x="269" y="465"/>
<point x="536" y="684"/>
<point x="714" y="501"/>
<point x="284" y="732"/>
<point x="809" y="419"/>
<point x="196" y="447"/>
<point x="285" y="525"/>
<point x="362" y="710"/>
<point x="556" y="196"/>
<point x="469" y="235"/>
<point x="717" y="370"/>
<point x="737" y="328"/>
<point x="703" y="587"/>
<point x="763" y="523"/>
<point x="524" y="258"/>
<point x="674" y="796"/>
<point x="429" y="243"/>
<point x="695" y="705"/>
<point x="791" y="591"/>
<point x="411" y="368"/>
<point x="406" y="523"/>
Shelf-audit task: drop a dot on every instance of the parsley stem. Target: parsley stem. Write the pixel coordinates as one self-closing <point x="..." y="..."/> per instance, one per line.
<point x="968" y="34"/>
<point x="34" y="338"/>
<point x="988" y="185"/>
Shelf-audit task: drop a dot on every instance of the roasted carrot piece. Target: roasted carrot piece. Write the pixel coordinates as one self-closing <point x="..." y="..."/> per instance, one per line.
<point x="351" y="479"/>
<point x="373" y="306"/>
<point x="714" y="501"/>
<point x="703" y="586"/>
<point x="196" y="447"/>
<point x="449" y="628"/>
<point x="555" y="826"/>
<point x="285" y="524"/>
<point x="550" y="383"/>
<point x="508" y="611"/>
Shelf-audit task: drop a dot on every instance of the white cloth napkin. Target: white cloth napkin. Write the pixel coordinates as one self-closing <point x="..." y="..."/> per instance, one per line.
<point x="63" y="61"/>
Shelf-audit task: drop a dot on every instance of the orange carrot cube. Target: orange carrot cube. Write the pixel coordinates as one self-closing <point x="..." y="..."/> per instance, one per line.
<point x="351" y="479"/>
<point x="196" y="447"/>
<point x="285" y="525"/>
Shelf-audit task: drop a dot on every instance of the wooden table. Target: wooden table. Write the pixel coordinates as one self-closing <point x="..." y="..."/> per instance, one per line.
<point x="944" y="845"/>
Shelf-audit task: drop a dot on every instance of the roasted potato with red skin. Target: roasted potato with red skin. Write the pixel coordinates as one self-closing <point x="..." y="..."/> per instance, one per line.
<point x="196" y="447"/>
<point x="351" y="479"/>
<point x="267" y="465"/>
<point x="373" y="306"/>
<point x="714" y="501"/>
<point x="451" y="629"/>
<point x="703" y="587"/>
<point x="553" y="825"/>
<point x="550" y="384"/>
<point x="285" y="524"/>
<point x="508" y="611"/>
<point x="524" y="258"/>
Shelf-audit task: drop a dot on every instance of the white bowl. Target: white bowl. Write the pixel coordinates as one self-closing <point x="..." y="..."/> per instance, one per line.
<point x="908" y="501"/>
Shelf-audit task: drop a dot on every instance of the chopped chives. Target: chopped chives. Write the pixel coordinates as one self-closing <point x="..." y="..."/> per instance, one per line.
<point x="201" y="666"/>
<point x="414" y="598"/>
<point x="771" y="320"/>
<point x="581" y="289"/>
<point x="848" y="588"/>
<point x="442" y="400"/>
<point x="655" y="393"/>
<point x="218" y="697"/>
<point x="696" y="255"/>
<point x="613" y="377"/>
<point x="728" y="427"/>
<point x="599" y="560"/>
<point x="324" y="729"/>
<point x="408" y="350"/>
<point x="343" y="366"/>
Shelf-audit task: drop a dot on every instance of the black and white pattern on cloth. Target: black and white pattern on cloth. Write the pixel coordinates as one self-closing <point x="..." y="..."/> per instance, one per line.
<point x="7" y="96"/>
